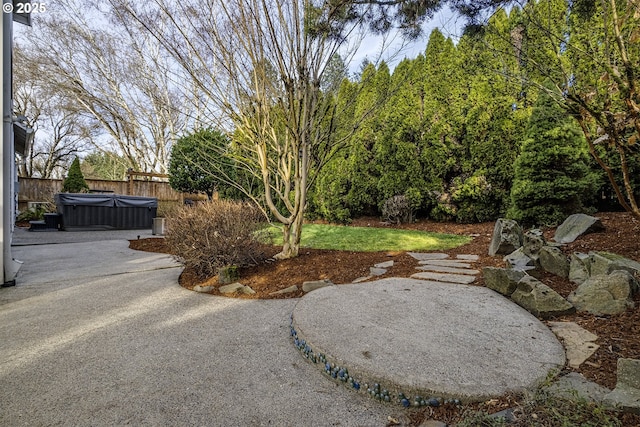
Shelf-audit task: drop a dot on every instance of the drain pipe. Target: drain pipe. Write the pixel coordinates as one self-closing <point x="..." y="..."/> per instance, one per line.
<point x="10" y="266"/>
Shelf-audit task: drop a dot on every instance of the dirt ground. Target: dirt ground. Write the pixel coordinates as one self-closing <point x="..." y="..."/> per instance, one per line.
<point x="619" y="336"/>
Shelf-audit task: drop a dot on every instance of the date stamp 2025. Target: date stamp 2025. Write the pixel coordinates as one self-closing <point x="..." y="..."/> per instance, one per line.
<point x="24" y="7"/>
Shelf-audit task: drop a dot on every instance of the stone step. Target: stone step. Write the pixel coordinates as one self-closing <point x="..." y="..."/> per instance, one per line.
<point x="442" y="269"/>
<point x="446" y="263"/>
<point x="424" y="257"/>
<point x="468" y="257"/>
<point x="462" y="279"/>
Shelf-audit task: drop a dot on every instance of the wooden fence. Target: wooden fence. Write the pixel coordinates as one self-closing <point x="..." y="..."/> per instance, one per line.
<point x="43" y="190"/>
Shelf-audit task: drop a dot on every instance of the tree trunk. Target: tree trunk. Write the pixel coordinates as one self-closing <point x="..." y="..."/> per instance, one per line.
<point x="291" y="234"/>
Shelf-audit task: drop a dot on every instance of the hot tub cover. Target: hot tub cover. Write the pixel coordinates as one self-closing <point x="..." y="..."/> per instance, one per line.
<point x="106" y="200"/>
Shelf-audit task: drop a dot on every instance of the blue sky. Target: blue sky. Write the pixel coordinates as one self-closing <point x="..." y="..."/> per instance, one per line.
<point x="396" y="49"/>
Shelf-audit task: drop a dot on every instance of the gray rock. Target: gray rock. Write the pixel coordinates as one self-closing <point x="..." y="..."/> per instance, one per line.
<point x="575" y="385"/>
<point x="507" y="237"/>
<point x="532" y="242"/>
<point x="554" y="261"/>
<point x="575" y="226"/>
<point x="236" y="287"/>
<point x="605" y="294"/>
<point x="606" y="263"/>
<point x="467" y="257"/>
<point x="203" y="289"/>
<point x="502" y="280"/>
<point x="626" y="395"/>
<point x="579" y="267"/>
<point x="374" y="271"/>
<point x="288" y="290"/>
<point x="539" y="299"/>
<point x="386" y="264"/>
<point x="517" y="260"/>
<point x="316" y="284"/>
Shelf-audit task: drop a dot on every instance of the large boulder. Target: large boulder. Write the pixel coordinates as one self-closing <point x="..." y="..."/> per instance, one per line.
<point x="606" y="263"/>
<point x="605" y="294"/>
<point x="552" y="259"/>
<point x="507" y="237"/>
<point x="539" y="299"/>
<point x="579" y="267"/>
<point x="575" y="226"/>
<point x="501" y="280"/>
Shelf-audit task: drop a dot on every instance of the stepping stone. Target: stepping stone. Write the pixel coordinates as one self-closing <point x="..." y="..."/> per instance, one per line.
<point x="453" y="270"/>
<point x="445" y="263"/>
<point x="463" y="279"/>
<point x="425" y="257"/>
<point x="386" y="264"/>
<point x="577" y="341"/>
<point x="390" y="332"/>
<point x="468" y="257"/>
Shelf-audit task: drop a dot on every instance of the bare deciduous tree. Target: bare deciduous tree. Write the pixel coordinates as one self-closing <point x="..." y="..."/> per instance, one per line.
<point x="112" y="76"/>
<point x="58" y="134"/>
<point x="260" y="65"/>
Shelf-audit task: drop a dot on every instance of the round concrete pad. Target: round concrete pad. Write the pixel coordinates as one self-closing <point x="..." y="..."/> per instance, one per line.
<point x="428" y="338"/>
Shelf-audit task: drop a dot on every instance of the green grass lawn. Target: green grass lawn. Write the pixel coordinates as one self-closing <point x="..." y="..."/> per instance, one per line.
<point x="371" y="239"/>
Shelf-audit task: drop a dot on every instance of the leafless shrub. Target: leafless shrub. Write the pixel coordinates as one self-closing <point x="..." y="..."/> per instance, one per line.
<point x="397" y="209"/>
<point x="211" y="235"/>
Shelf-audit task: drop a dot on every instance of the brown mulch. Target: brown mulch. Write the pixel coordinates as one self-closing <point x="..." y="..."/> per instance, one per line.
<point x="618" y="336"/>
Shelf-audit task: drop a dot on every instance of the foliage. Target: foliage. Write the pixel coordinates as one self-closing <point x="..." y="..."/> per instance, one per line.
<point x="194" y="156"/>
<point x="35" y="214"/>
<point x="374" y="239"/>
<point x="212" y="235"/>
<point x="552" y="179"/>
<point x="104" y="165"/>
<point x="476" y="199"/>
<point x="74" y="182"/>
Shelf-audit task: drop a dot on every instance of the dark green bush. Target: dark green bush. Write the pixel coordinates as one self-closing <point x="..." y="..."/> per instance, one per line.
<point x="74" y="182"/>
<point x="552" y="179"/>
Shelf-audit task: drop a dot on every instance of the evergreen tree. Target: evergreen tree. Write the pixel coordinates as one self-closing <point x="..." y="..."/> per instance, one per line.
<point x="441" y="149"/>
<point x="74" y="182"/>
<point x="190" y="164"/>
<point x="104" y="165"/>
<point x="552" y="179"/>
<point x="397" y="149"/>
<point x="496" y="113"/>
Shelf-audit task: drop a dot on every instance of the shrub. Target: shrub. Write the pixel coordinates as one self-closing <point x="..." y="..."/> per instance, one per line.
<point x="397" y="209"/>
<point x="552" y="179"/>
<point x="212" y="235"/>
